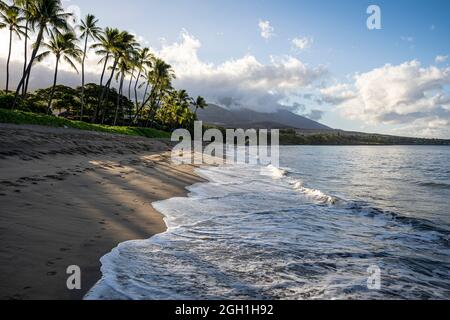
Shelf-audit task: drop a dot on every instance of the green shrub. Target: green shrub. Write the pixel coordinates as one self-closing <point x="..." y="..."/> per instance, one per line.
<point x="7" y="101"/>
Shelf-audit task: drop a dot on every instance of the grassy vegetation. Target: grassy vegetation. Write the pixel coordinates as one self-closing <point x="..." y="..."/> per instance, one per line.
<point x="21" y="117"/>
<point x="287" y="136"/>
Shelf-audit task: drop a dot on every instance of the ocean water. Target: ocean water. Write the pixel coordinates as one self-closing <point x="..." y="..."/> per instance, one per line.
<point x="309" y="230"/>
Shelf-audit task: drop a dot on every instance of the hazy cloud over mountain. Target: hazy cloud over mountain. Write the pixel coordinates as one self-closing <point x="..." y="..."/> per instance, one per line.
<point x="243" y="82"/>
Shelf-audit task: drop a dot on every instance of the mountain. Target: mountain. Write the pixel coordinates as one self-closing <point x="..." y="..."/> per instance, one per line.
<point x="246" y="119"/>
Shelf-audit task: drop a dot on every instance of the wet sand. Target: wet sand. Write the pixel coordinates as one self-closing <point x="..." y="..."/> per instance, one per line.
<point x="68" y="197"/>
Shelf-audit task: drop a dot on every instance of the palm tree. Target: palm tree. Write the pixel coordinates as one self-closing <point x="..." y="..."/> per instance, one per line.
<point x="62" y="46"/>
<point x="89" y="29"/>
<point x="133" y="61"/>
<point x="176" y="110"/>
<point x="104" y="48"/>
<point x="46" y="14"/>
<point x="10" y="18"/>
<point x="182" y="112"/>
<point x="199" y="103"/>
<point x="124" y="67"/>
<point x="123" y="44"/>
<point x="27" y="8"/>
<point x="160" y="79"/>
<point x="144" y="60"/>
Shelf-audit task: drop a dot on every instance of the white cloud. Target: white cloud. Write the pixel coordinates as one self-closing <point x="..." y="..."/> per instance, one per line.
<point x="431" y="127"/>
<point x="302" y="43"/>
<point x="407" y="39"/>
<point x="267" y="31"/>
<point x="337" y="93"/>
<point x="76" y="17"/>
<point x="406" y="94"/>
<point x="243" y="82"/>
<point x="441" y="59"/>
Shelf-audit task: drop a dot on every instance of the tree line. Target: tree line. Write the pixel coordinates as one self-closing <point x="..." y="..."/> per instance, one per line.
<point x="144" y="96"/>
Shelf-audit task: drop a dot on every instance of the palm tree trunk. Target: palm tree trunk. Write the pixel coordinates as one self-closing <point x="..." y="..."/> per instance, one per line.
<point x="9" y="59"/>
<point x="25" y="90"/>
<point x="129" y="85"/>
<point x="145" y="92"/>
<point x="119" y="98"/>
<point x="104" y="70"/>
<point x="49" y="107"/>
<point x="108" y="85"/>
<point x="82" y="78"/>
<point x="139" y="108"/>
<point x="30" y="64"/>
<point x="94" y="118"/>
<point x="136" y="85"/>
<point x="25" y="47"/>
<point x="152" y="96"/>
<point x="106" y="89"/>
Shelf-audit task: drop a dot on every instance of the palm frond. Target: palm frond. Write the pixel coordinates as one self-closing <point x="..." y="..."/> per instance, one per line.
<point x="70" y="62"/>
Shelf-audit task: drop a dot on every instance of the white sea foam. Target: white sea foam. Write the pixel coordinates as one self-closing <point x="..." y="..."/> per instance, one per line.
<point x="314" y="194"/>
<point x="257" y="233"/>
<point x="272" y="171"/>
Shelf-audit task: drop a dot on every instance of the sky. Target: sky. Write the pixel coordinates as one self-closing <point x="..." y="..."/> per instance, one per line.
<point x="316" y="58"/>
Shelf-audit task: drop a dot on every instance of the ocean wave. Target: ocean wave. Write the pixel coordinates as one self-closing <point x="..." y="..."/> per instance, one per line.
<point x="273" y="172"/>
<point x="357" y="207"/>
<point x="437" y="185"/>
<point x="315" y="194"/>
<point x="259" y="233"/>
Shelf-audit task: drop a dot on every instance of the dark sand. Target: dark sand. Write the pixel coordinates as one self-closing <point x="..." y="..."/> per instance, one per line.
<point x="68" y="197"/>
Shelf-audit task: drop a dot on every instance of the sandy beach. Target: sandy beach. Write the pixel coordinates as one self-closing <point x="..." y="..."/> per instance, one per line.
<point x="68" y="197"/>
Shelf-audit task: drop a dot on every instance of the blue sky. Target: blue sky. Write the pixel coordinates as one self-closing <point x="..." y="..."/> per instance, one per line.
<point x="338" y="27"/>
<point x="225" y="34"/>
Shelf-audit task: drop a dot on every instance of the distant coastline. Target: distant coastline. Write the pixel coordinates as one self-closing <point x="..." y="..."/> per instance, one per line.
<point x="340" y="137"/>
<point x="288" y="136"/>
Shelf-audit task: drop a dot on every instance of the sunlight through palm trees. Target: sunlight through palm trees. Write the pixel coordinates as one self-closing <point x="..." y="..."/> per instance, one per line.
<point x="62" y="46"/>
<point x="151" y="99"/>
<point x="89" y="30"/>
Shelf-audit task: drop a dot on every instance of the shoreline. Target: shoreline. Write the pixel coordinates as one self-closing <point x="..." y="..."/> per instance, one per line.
<point x="69" y="197"/>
